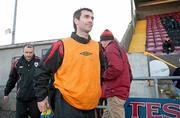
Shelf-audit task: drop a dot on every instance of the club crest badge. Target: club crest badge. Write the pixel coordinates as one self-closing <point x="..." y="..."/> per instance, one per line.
<point x="36" y="64"/>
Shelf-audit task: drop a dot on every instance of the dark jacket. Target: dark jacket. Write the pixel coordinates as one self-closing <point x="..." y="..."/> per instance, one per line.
<point x="168" y="46"/>
<point x="117" y="77"/>
<point x="50" y="64"/>
<point x="177" y="73"/>
<point x="22" y="73"/>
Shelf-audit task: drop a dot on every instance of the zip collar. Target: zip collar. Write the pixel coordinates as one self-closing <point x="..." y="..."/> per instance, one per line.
<point x="80" y="39"/>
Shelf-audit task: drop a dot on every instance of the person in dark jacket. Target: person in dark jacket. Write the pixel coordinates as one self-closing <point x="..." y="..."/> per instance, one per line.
<point x="117" y="76"/>
<point x="168" y="46"/>
<point x="75" y="65"/>
<point x="22" y="72"/>
<point x="177" y="82"/>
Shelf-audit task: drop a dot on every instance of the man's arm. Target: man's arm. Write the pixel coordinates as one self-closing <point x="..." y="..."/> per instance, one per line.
<point x="115" y="64"/>
<point x="47" y="67"/>
<point x="13" y="77"/>
<point x="103" y="61"/>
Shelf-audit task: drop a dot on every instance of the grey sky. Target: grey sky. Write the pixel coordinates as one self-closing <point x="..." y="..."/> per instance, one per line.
<point x="52" y="19"/>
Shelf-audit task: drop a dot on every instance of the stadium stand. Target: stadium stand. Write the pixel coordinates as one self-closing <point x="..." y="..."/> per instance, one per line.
<point x="160" y="28"/>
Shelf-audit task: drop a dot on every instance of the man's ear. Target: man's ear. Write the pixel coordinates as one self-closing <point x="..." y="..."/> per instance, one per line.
<point x="76" y="21"/>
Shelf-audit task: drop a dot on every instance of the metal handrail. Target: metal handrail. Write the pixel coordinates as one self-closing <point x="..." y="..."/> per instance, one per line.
<point x="155" y="78"/>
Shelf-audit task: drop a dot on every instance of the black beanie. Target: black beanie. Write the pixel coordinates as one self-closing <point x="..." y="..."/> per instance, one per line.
<point x="106" y="35"/>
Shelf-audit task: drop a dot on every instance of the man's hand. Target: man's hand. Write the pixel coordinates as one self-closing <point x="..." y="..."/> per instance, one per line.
<point x="6" y="99"/>
<point x="43" y="105"/>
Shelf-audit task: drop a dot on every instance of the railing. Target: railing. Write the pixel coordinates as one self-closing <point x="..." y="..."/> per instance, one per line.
<point x="155" y="79"/>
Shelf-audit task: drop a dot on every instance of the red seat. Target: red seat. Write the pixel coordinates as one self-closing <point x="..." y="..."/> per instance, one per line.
<point x="150" y="37"/>
<point x="150" y="40"/>
<point x="150" y="44"/>
<point x="159" y="48"/>
<point x="157" y="36"/>
<point x="159" y="43"/>
<point x="150" y="50"/>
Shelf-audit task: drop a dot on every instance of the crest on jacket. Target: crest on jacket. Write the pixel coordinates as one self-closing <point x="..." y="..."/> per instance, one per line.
<point x="36" y="64"/>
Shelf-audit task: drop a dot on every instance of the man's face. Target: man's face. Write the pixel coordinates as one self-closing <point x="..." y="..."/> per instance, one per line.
<point x="28" y="53"/>
<point x="85" y="22"/>
<point x="105" y="43"/>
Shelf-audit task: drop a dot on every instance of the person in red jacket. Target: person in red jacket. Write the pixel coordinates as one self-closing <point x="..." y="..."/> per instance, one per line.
<point x="117" y="76"/>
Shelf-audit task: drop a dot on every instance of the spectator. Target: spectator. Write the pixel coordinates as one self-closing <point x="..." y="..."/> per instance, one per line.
<point x="117" y="76"/>
<point x="168" y="46"/>
<point x="177" y="82"/>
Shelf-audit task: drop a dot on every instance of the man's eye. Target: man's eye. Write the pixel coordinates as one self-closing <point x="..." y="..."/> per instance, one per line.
<point x="86" y="16"/>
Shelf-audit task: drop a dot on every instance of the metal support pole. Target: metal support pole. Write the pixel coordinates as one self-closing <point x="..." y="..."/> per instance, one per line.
<point x="14" y="23"/>
<point x="156" y="88"/>
<point x="132" y="15"/>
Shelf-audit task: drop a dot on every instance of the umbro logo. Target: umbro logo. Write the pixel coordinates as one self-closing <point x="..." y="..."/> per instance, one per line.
<point x="85" y="53"/>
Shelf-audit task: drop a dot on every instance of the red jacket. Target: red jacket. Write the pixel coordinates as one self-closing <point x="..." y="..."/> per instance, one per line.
<point x="117" y="77"/>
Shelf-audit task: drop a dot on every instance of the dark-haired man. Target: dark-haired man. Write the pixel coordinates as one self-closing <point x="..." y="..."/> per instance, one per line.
<point x="22" y="72"/>
<point x="74" y="63"/>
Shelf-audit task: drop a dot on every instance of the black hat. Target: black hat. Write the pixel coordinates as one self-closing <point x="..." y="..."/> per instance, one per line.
<point x="106" y="35"/>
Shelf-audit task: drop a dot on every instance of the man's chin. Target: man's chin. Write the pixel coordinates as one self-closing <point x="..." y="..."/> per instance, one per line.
<point x="28" y="59"/>
<point x="87" y="31"/>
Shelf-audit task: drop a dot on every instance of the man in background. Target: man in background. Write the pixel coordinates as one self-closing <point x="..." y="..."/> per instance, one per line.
<point x="117" y="76"/>
<point x="177" y="81"/>
<point x="22" y="73"/>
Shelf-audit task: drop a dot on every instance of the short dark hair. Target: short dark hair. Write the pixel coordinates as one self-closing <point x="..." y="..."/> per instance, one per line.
<point x="77" y="15"/>
<point x="28" y="45"/>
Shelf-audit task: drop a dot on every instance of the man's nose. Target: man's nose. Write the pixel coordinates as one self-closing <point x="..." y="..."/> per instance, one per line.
<point x="29" y="54"/>
<point x="90" y="19"/>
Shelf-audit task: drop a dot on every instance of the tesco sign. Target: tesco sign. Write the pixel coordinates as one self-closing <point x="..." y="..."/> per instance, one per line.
<point x="152" y="108"/>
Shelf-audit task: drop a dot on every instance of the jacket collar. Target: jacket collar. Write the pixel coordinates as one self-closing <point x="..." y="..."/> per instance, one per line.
<point x="111" y="41"/>
<point x="80" y="39"/>
<point x="23" y="58"/>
